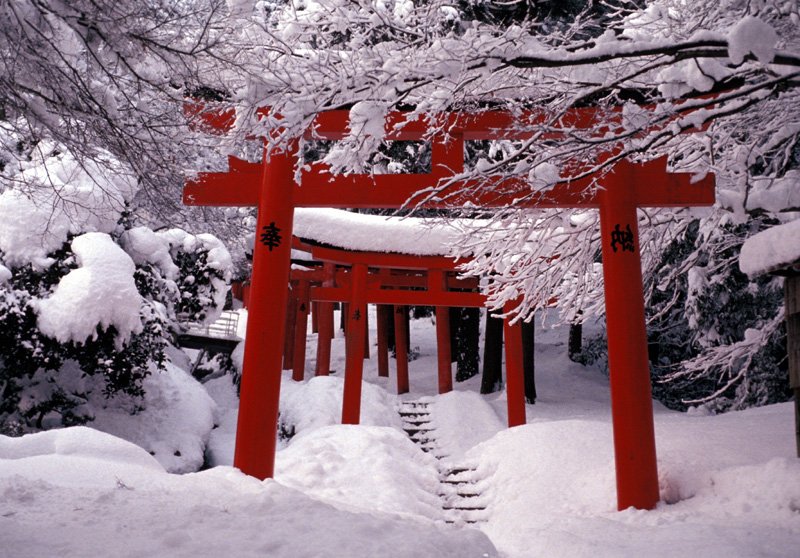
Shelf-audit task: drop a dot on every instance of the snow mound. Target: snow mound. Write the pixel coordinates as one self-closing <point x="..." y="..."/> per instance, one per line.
<point x="144" y="511"/>
<point x="318" y="402"/>
<point x="355" y="231"/>
<point x="75" y="456"/>
<point x="77" y="441"/>
<point x="771" y="249"/>
<point x="100" y="292"/>
<point x="362" y="468"/>
<point x="175" y="424"/>
<point x="463" y="419"/>
<point x="726" y="481"/>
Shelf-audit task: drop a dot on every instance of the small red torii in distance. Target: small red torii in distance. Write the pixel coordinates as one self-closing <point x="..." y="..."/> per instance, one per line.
<point x="270" y="185"/>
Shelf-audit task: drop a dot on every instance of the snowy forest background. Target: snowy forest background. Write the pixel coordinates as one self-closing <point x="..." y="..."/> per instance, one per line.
<point x="95" y="146"/>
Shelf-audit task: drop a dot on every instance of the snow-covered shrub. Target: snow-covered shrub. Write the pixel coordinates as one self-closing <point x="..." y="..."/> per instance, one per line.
<point x="187" y="274"/>
<point x="63" y="339"/>
<point x="88" y="303"/>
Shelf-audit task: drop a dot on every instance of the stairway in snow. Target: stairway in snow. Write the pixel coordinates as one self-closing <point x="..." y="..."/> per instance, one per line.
<point x="460" y="486"/>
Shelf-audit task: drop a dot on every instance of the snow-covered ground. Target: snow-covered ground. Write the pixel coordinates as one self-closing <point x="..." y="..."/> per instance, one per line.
<point x="730" y="484"/>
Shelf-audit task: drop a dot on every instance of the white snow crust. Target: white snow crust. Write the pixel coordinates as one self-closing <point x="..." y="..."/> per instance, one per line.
<point x="776" y="247"/>
<point x="354" y="231"/>
<point x="728" y="483"/>
<point x="71" y="197"/>
<point x="81" y="503"/>
<point x="372" y="458"/>
<point x="752" y="35"/>
<point x="100" y="292"/>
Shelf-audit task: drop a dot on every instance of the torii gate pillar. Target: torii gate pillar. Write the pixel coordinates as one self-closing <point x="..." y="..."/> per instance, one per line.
<point x="629" y="368"/>
<point x="261" y="381"/>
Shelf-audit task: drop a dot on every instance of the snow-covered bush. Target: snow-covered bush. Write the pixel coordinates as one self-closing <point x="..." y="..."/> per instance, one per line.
<point x="85" y="312"/>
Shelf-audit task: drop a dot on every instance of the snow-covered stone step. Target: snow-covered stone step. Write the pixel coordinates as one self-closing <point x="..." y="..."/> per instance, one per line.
<point x="459" y="488"/>
<point x="465" y="517"/>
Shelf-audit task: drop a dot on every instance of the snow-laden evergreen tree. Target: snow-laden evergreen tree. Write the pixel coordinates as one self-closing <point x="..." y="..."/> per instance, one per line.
<point x="89" y="304"/>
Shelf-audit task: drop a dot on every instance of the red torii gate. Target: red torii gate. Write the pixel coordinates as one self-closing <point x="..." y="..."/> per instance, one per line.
<point x="271" y="186"/>
<point x="378" y="286"/>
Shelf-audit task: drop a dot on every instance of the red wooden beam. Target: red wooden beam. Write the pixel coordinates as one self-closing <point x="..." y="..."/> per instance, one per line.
<point x="240" y="185"/>
<point x="383" y="259"/>
<point x="629" y="368"/>
<point x="515" y="371"/>
<point x="256" y="430"/>
<point x="384" y="314"/>
<point x="401" y="297"/>
<point x="326" y="329"/>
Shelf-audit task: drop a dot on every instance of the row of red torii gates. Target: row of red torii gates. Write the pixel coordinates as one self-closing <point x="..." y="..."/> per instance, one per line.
<point x="272" y="187"/>
<point x="392" y="281"/>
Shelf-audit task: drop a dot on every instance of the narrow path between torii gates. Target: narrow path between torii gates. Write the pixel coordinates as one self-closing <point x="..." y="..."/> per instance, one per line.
<point x="448" y="426"/>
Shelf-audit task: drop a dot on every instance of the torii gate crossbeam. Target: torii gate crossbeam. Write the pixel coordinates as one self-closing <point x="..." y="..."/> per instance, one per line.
<point x="271" y="187"/>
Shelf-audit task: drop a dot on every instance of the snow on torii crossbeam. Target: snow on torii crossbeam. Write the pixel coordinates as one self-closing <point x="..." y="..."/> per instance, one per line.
<point x="271" y="186"/>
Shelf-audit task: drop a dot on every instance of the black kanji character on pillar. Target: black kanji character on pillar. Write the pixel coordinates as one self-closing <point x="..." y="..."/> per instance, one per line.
<point x="270" y="237"/>
<point x="357" y="315"/>
<point x="624" y="238"/>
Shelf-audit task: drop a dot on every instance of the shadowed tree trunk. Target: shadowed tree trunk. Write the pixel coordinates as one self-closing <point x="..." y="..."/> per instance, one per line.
<point x="465" y="322"/>
<point x="528" y="361"/>
<point x="492" y="379"/>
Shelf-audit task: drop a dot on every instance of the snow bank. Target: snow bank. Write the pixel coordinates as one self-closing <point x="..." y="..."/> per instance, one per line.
<point x="304" y="407"/>
<point x="100" y="292"/>
<point x="463" y="419"/>
<point x="318" y="402"/>
<point x="355" y="231"/>
<point x="77" y="442"/>
<point x="362" y="468"/>
<point x="728" y="487"/>
<point x="175" y="424"/>
<point x="772" y="249"/>
<point x="143" y="511"/>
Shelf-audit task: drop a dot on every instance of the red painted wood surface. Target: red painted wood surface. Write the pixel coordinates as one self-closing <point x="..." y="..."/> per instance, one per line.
<point x="239" y="187"/>
<point x="272" y="188"/>
<point x="300" y="332"/>
<point x="629" y="369"/>
<point x="384" y="314"/>
<point x="326" y="326"/>
<point x="354" y="358"/>
<point x="291" y="320"/>
<point x="256" y="431"/>
<point x="515" y="374"/>
<point x="444" y="357"/>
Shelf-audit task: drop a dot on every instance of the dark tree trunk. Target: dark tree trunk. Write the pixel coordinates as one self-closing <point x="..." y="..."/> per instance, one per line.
<point x="492" y="379"/>
<point x="528" y="361"/>
<point x="406" y="321"/>
<point x="390" y="330"/>
<point x="575" y="342"/>
<point x="467" y="340"/>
